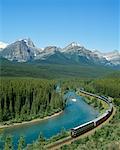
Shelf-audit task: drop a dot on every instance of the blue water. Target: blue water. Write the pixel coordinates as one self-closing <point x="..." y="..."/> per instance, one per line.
<point x="76" y="113"/>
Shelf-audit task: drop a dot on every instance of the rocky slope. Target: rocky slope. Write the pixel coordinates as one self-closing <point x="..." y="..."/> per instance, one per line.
<point x="24" y="50"/>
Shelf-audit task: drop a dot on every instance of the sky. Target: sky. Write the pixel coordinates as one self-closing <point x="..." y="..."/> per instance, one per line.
<point x="94" y="24"/>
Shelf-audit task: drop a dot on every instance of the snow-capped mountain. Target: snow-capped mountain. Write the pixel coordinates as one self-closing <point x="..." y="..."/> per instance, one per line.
<point x="2" y="45"/>
<point x="80" y="53"/>
<point x="113" y="58"/>
<point x="24" y="50"/>
<point x="71" y="47"/>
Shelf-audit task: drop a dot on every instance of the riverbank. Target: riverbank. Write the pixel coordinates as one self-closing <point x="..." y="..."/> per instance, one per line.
<point x="31" y="121"/>
<point x="96" y="103"/>
<point x="68" y="140"/>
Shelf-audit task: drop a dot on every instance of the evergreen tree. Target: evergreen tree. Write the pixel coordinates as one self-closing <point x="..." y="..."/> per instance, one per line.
<point x="8" y="143"/>
<point x="21" y="143"/>
<point x="25" y="99"/>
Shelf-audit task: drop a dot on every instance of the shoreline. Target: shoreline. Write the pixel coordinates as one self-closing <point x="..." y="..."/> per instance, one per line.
<point x="31" y="121"/>
<point x="91" y="104"/>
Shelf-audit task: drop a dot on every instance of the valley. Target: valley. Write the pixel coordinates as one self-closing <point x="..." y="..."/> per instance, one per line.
<point x="59" y="75"/>
<point x="30" y="100"/>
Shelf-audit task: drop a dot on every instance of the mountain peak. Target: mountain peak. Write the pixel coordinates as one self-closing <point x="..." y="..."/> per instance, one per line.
<point x="27" y="41"/>
<point x="22" y="50"/>
<point x="3" y="45"/>
<point x="74" y="44"/>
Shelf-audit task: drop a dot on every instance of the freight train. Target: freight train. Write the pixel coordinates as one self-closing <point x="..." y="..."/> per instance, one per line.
<point x="94" y="123"/>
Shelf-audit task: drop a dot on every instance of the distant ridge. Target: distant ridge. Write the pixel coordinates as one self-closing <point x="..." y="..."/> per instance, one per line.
<point x="24" y="50"/>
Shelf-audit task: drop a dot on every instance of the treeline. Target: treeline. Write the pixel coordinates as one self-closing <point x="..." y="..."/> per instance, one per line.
<point x="106" y="86"/>
<point x="27" y="98"/>
<point x="109" y="86"/>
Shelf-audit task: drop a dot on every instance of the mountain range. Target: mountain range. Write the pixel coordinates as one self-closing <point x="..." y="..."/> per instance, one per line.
<point x="24" y="50"/>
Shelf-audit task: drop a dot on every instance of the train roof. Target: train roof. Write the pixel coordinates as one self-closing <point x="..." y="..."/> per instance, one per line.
<point x="98" y="118"/>
<point x="82" y="125"/>
<point x="89" y="93"/>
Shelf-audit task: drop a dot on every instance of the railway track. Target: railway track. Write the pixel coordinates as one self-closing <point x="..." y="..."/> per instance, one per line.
<point x="69" y="140"/>
<point x="59" y="143"/>
<point x="56" y="145"/>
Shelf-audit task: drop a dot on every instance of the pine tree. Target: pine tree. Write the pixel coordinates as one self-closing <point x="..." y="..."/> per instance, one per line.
<point x="8" y="143"/>
<point x="21" y="143"/>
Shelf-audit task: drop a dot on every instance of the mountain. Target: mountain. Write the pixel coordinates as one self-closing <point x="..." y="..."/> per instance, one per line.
<point x="80" y="54"/>
<point x="2" y="45"/>
<point x="24" y="50"/>
<point x="46" y="52"/>
<point x="74" y="53"/>
<point x="113" y="58"/>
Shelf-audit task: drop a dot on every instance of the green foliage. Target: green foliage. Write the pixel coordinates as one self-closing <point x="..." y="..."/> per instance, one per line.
<point x="50" y="71"/>
<point x="59" y="136"/>
<point x="41" y="139"/>
<point x="26" y="98"/>
<point x="21" y="143"/>
<point x="8" y="143"/>
<point x="96" y="103"/>
<point x="37" y="145"/>
<point x="108" y="137"/>
<point x="108" y="86"/>
<point x="41" y="142"/>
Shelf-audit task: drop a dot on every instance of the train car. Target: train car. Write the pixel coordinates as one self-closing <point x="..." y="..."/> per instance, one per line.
<point x="96" y="122"/>
<point x="106" y="99"/>
<point x="110" y="110"/>
<point x="82" y="129"/>
<point x="102" y="118"/>
<point x="90" y="94"/>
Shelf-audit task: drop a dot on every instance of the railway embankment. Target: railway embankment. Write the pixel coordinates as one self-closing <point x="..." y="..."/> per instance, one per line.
<point x="66" y="141"/>
<point x="102" y="121"/>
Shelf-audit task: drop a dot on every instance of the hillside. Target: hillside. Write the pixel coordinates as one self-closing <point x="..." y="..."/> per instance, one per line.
<point x="39" y="70"/>
<point x="24" y="50"/>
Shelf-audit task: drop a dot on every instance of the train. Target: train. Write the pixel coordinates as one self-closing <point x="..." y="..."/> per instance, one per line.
<point x="102" y="97"/>
<point x="94" y="123"/>
<point x="106" y="99"/>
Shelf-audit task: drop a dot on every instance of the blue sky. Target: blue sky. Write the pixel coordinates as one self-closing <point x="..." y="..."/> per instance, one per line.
<point x="92" y="23"/>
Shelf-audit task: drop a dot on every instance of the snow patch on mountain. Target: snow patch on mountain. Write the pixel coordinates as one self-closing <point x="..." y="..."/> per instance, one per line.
<point x="24" y="50"/>
<point x="3" y="45"/>
<point x="111" y="57"/>
<point x="21" y="51"/>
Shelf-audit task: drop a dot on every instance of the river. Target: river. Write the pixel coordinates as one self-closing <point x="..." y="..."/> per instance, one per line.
<point x="76" y="112"/>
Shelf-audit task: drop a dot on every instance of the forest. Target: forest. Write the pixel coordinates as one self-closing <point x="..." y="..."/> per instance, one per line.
<point x="51" y="71"/>
<point x="24" y="99"/>
<point x="27" y="98"/>
<point x="108" y="137"/>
